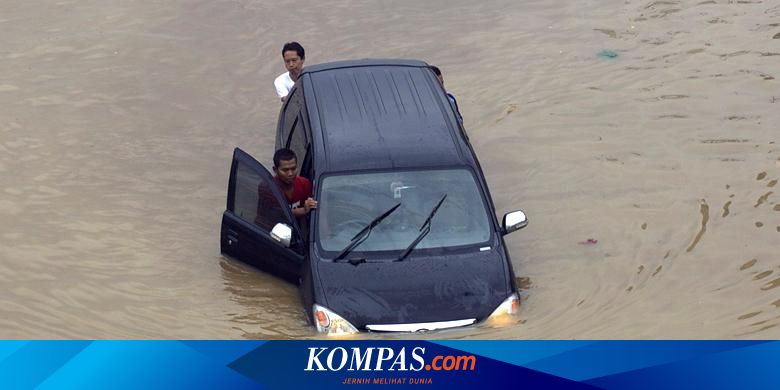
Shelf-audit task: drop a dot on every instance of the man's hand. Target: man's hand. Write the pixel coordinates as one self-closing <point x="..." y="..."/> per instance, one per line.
<point x="309" y="204"/>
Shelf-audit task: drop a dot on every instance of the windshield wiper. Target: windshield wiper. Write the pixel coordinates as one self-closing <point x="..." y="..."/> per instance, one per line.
<point x="424" y="230"/>
<point x="363" y="234"/>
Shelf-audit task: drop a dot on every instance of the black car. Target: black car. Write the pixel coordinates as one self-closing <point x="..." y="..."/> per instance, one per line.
<point x="405" y="237"/>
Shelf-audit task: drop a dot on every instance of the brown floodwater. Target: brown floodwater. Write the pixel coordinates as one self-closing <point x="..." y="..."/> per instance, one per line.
<point x="649" y="178"/>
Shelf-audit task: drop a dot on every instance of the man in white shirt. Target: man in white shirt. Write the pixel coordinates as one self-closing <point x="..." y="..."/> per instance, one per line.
<point x="293" y="56"/>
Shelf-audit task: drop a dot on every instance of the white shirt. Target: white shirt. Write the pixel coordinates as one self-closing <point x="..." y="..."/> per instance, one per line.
<point x="284" y="83"/>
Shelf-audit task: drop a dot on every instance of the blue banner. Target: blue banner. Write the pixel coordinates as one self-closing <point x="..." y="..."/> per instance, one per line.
<point x="347" y="363"/>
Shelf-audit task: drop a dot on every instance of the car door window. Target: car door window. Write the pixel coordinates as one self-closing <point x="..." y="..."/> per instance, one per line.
<point x="255" y="197"/>
<point x="297" y="142"/>
<point x="290" y="114"/>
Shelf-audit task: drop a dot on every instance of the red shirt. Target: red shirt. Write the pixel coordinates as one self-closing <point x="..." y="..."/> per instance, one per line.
<point x="300" y="192"/>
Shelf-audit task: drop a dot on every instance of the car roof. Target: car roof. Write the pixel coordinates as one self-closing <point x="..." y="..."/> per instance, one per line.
<point x="379" y="114"/>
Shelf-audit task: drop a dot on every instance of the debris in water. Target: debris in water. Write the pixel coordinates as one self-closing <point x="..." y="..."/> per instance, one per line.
<point x="590" y="241"/>
<point x="606" y="53"/>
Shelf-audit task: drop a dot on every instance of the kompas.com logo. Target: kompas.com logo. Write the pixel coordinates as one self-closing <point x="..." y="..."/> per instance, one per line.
<point x="384" y="359"/>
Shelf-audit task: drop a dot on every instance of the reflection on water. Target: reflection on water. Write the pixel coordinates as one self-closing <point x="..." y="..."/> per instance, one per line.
<point x="118" y="120"/>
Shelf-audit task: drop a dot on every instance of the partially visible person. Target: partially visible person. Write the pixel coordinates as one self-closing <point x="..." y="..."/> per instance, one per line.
<point x="454" y="102"/>
<point x="293" y="56"/>
<point x="296" y="189"/>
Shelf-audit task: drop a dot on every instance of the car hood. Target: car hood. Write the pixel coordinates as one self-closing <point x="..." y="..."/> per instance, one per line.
<point x="419" y="289"/>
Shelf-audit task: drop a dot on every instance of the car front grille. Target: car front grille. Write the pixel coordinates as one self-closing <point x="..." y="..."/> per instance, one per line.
<point x="419" y="327"/>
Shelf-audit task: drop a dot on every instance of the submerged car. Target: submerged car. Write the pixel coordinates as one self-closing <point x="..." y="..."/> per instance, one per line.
<point x="405" y="237"/>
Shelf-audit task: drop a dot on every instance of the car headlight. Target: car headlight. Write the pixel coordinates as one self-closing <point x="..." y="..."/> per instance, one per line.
<point x="506" y="311"/>
<point x="331" y="323"/>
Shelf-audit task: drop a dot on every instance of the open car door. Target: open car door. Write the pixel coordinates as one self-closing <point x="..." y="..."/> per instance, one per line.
<point x="258" y="226"/>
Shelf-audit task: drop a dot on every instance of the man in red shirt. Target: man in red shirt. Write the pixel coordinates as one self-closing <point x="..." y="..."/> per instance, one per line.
<point x="296" y="189"/>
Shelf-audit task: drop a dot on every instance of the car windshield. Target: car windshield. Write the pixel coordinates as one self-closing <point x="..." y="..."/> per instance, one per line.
<point x="349" y="202"/>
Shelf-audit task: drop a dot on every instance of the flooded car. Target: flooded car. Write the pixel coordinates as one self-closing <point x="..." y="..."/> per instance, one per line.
<point x="405" y="237"/>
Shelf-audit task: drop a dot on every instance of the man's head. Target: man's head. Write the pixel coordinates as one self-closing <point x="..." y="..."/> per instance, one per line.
<point x="285" y="165"/>
<point x="293" y="55"/>
<point x="437" y="72"/>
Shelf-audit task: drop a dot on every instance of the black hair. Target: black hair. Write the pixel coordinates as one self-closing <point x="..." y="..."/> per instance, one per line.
<point x="284" y="154"/>
<point x="296" y="47"/>
<point x="436" y="70"/>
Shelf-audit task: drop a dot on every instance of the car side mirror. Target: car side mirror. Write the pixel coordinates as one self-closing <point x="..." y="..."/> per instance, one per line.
<point x="515" y="220"/>
<point x="282" y="234"/>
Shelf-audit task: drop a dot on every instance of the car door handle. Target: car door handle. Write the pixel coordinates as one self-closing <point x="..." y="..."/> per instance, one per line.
<point x="232" y="237"/>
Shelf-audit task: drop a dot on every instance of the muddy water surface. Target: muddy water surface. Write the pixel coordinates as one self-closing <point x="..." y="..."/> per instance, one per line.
<point x="649" y="178"/>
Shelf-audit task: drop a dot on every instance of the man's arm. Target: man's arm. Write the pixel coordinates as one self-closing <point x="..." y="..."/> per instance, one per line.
<point x="281" y="90"/>
<point x="308" y="205"/>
